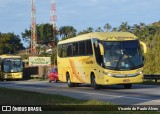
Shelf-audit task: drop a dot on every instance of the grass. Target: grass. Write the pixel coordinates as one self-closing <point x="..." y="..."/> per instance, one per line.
<point x="21" y="97"/>
<point x="151" y="82"/>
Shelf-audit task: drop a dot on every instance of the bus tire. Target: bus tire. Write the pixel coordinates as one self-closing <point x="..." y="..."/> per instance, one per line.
<point x="93" y="82"/>
<point x="69" y="83"/>
<point x="76" y="84"/>
<point x="127" y="86"/>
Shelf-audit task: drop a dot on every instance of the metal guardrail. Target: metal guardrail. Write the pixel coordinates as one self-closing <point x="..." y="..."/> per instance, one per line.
<point x="155" y="77"/>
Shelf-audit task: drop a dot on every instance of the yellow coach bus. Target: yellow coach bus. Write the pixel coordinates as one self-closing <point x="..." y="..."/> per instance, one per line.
<point x="10" y="67"/>
<point x="101" y="59"/>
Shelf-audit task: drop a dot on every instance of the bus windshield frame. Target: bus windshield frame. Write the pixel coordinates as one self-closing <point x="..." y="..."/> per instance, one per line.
<point x="12" y="65"/>
<point x="122" y="55"/>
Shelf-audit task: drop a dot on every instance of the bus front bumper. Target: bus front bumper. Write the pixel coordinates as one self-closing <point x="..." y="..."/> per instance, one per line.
<point x="12" y="76"/>
<point x="109" y="80"/>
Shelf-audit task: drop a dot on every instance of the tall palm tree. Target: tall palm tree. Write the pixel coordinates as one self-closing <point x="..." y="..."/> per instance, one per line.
<point x="67" y="31"/>
<point x="62" y="30"/>
<point x="114" y="29"/>
<point x="71" y="31"/>
<point x="135" y="29"/>
<point x="142" y="25"/>
<point x="99" y="29"/>
<point x="124" y="27"/>
<point x="89" y="29"/>
<point x="107" y="27"/>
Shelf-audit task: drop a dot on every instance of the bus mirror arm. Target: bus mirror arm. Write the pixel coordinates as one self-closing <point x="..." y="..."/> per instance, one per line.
<point x="144" y="47"/>
<point x="143" y="58"/>
<point x="101" y="49"/>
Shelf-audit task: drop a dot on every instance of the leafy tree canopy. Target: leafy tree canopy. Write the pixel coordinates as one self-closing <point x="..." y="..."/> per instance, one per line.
<point x="10" y="43"/>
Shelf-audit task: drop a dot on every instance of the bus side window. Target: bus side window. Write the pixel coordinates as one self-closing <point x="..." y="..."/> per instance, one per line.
<point x="69" y="50"/>
<point x="82" y="48"/>
<point x="75" y="49"/>
<point x="60" y="50"/>
<point x="64" y="52"/>
<point x="89" y="48"/>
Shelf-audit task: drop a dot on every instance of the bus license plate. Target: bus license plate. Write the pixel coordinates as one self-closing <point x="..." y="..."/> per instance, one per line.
<point x="126" y="80"/>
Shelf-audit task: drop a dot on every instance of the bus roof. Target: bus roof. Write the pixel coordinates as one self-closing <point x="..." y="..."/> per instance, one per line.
<point x="9" y="56"/>
<point x="106" y="36"/>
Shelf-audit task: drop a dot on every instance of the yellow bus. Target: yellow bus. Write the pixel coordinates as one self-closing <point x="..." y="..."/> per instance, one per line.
<point x="10" y="67"/>
<point x="101" y="59"/>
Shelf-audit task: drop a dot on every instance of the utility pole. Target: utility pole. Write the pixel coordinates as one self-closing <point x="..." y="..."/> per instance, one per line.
<point x="33" y="29"/>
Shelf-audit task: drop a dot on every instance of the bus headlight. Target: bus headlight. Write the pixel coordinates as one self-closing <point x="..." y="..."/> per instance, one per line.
<point x="107" y="73"/>
<point x="5" y="75"/>
<point x="140" y="72"/>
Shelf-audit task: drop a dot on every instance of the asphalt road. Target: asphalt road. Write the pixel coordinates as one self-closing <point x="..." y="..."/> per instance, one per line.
<point x="138" y="95"/>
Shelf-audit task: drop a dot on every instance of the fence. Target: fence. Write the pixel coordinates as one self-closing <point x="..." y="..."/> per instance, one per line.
<point x="35" y="72"/>
<point x="29" y="71"/>
<point x="155" y="77"/>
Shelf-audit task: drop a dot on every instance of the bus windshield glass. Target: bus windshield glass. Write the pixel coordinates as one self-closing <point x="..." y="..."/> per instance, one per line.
<point x="122" y="55"/>
<point x="12" y="65"/>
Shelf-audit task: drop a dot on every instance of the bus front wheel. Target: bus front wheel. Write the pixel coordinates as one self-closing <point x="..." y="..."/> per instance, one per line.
<point x="93" y="82"/>
<point x="70" y="84"/>
<point x="127" y="86"/>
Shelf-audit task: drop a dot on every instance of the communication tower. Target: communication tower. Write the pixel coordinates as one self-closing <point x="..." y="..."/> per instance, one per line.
<point x="53" y="16"/>
<point x="33" y="29"/>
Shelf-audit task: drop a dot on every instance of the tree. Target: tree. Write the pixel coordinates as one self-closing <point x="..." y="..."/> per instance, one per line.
<point x="124" y="27"/>
<point x="26" y="35"/>
<point x="88" y="30"/>
<point x="10" y="43"/>
<point x="135" y="29"/>
<point x="142" y="25"/>
<point x="114" y="29"/>
<point x="45" y="34"/>
<point x="67" y="32"/>
<point x="107" y="27"/>
<point x="99" y="29"/>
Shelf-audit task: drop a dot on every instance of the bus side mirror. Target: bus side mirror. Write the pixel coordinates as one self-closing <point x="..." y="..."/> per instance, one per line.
<point x="144" y="47"/>
<point x="101" y="48"/>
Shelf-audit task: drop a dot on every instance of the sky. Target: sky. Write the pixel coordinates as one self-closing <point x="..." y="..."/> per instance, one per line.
<point x="15" y="15"/>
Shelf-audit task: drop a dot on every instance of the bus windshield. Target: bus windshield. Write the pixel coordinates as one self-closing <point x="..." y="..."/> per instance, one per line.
<point x="122" y="55"/>
<point x="12" y="65"/>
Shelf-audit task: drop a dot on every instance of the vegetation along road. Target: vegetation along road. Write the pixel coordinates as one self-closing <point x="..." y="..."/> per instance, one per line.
<point x="138" y="95"/>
